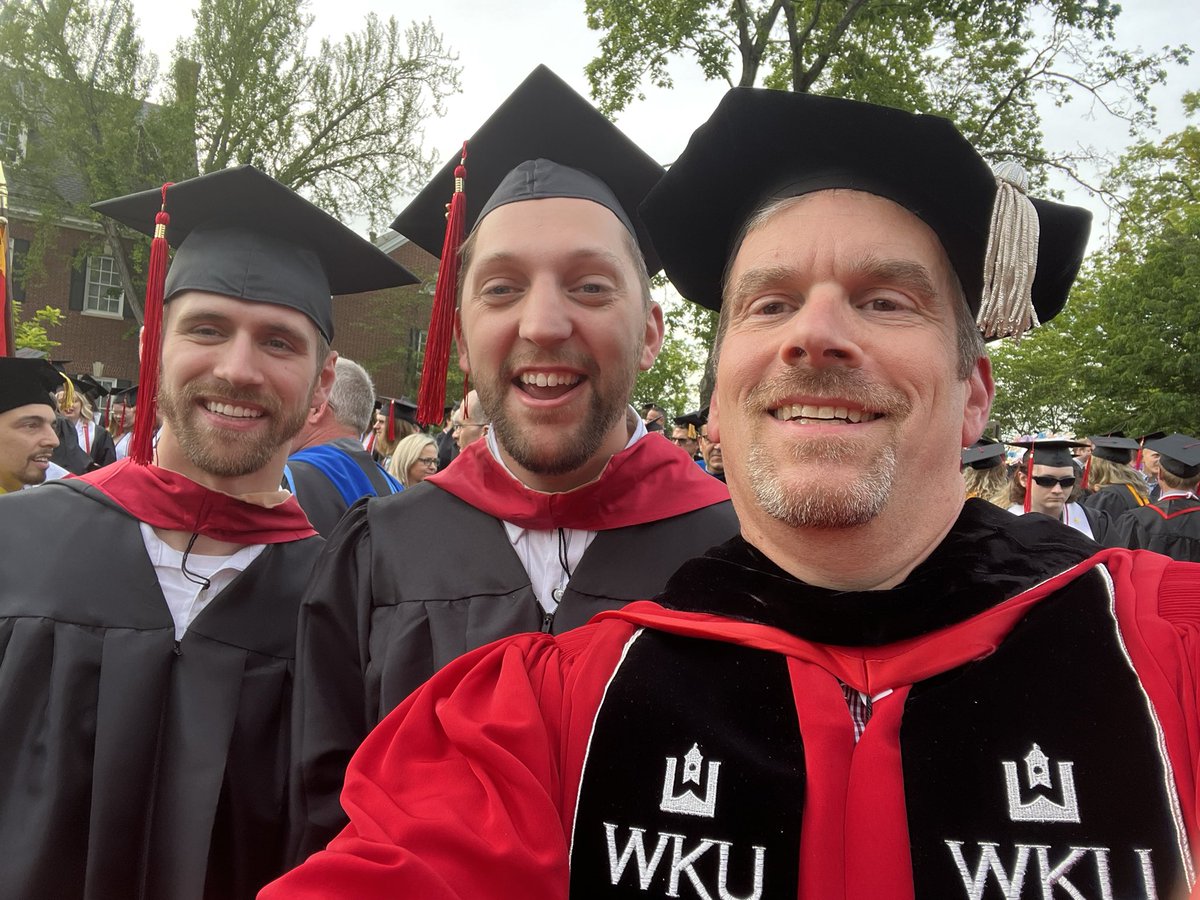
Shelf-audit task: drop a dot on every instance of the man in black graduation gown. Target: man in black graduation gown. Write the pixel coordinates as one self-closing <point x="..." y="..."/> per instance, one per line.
<point x="147" y="610"/>
<point x="1169" y="525"/>
<point x="329" y="470"/>
<point x="562" y="510"/>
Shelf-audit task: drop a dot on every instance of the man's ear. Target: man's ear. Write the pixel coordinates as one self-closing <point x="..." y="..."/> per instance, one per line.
<point x="652" y="340"/>
<point x="324" y="384"/>
<point x="981" y="390"/>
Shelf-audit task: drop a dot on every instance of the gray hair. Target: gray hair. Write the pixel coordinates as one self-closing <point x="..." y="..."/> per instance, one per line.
<point x="352" y="397"/>
<point x="968" y="341"/>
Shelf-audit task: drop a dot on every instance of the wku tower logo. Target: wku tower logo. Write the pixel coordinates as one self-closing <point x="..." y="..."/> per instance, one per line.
<point x="688" y="801"/>
<point x="1037" y="775"/>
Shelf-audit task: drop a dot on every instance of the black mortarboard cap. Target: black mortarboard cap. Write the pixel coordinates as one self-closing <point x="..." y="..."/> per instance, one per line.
<point x="1054" y="452"/>
<point x="694" y="419"/>
<point x="26" y="381"/>
<point x="1179" y="454"/>
<point x="983" y="454"/>
<point x="543" y="141"/>
<point x="1143" y="439"/>
<point x="242" y="234"/>
<point x="1113" y="447"/>
<point x="764" y="144"/>
<point x="127" y="395"/>
<point x="90" y="387"/>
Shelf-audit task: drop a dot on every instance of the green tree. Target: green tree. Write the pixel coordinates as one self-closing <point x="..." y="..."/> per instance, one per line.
<point x="1126" y="351"/>
<point x="33" y="334"/>
<point x="981" y="63"/>
<point x="342" y="126"/>
<point x="77" y="82"/>
<point x="674" y="381"/>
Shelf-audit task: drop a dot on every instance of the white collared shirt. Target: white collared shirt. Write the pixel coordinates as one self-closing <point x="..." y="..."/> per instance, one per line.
<point x="539" y="551"/>
<point x="185" y="598"/>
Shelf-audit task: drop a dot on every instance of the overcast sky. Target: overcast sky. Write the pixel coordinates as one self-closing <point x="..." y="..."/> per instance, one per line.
<point x="498" y="44"/>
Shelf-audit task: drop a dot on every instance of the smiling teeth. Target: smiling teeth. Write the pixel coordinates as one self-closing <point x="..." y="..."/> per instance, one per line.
<point x="549" y="379"/>
<point x="809" y="414"/>
<point x="234" y="412"/>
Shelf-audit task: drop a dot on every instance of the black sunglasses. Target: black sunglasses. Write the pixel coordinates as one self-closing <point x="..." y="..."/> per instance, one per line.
<point x="1049" y="481"/>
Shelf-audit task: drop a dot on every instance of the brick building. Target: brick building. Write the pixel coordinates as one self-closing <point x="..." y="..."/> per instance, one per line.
<point x="382" y="330"/>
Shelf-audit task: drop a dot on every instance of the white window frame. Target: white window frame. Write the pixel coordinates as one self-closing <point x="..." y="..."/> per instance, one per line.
<point x="12" y="142"/>
<point x="100" y="272"/>
<point x="420" y="338"/>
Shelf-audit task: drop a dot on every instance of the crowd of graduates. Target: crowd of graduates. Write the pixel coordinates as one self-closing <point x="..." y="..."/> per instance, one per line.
<point x="1137" y="493"/>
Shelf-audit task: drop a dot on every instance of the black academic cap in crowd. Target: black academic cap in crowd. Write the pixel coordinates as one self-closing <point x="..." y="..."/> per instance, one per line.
<point x="761" y="145"/>
<point x="1114" y="447"/>
<point x="90" y="387"/>
<point x="1143" y="439"/>
<point x="1179" y="454"/>
<point x="242" y="234"/>
<point x="692" y="421"/>
<point x="983" y="454"/>
<point x="1053" y="452"/>
<point x="544" y="141"/>
<point x="26" y="381"/>
<point x="126" y="395"/>
<point x="400" y="407"/>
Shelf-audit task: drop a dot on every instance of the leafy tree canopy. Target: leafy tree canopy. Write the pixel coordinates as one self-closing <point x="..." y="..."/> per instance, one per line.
<point x="981" y="63"/>
<point x="1125" y="354"/>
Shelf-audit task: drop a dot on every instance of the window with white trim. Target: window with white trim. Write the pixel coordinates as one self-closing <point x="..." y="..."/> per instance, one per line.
<point x="418" y="337"/>
<point x="12" y="142"/>
<point x="104" y="296"/>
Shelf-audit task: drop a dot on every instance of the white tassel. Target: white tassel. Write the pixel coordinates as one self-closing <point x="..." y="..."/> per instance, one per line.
<point x="1006" y="308"/>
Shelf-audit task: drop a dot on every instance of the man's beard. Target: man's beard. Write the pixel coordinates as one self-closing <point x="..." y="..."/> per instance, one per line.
<point x="855" y="499"/>
<point x="228" y="453"/>
<point x="573" y="449"/>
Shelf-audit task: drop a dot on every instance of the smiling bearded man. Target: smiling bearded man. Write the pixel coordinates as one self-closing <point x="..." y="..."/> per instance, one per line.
<point x="564" y="509"/>
<point x="148" y="609"/>
<point x="912" y="701"/>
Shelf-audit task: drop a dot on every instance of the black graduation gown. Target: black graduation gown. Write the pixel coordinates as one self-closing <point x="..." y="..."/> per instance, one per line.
<point x="320" y="499"/>
<point x="409" y="583"/>
<point x="1171" y="528"/>
<point x="1114" y="499"/>
<point x="447" y="449"/>
<point x="132" y="766"/>
<point x="103" y="450"/>
<point x="68" y="453"/>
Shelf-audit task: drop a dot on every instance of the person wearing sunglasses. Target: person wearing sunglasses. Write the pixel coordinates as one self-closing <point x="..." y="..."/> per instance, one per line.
<point x="1045" y="487"/>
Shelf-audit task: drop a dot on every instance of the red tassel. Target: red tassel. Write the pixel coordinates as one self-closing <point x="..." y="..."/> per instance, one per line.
<point x="141" y="446"/>
<point x="432" y="396"/>
<point x="391" y="429"/>
<point x="1087" y="471"/>
<point x="1137" y="462"/>
<point x="1029" y="478"/>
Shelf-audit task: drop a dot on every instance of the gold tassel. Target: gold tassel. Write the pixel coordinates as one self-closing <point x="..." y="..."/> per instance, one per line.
<point x="1006" y="308"/>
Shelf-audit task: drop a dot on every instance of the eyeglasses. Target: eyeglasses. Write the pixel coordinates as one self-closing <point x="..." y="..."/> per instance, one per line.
<point x="427" y="461"/>
<point x="1049" y="481"/>
<point x="682" y="440"/>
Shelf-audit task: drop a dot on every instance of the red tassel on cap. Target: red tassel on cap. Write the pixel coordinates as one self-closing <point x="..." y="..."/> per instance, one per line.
<point x="391" y="425"/>
<point x="432" y="397"/>
<point x="141" y="447"/>
<point x="1087" y="471"/>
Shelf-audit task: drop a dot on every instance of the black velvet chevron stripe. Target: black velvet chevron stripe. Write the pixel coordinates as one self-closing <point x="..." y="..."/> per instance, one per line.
<point x="694" y="776"/>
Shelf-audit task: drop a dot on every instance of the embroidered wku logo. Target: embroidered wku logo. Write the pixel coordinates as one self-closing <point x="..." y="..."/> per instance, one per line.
<point x="688" y="801"/>
<point x="1037" y="775"/>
